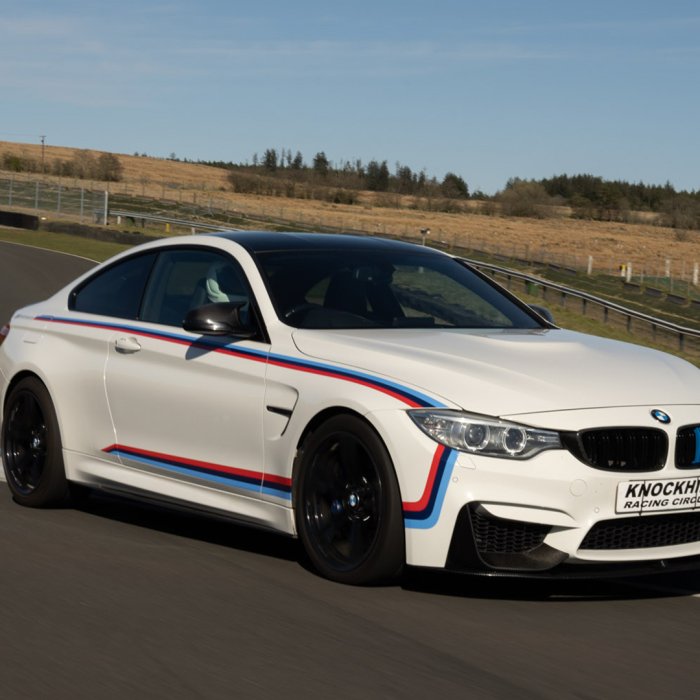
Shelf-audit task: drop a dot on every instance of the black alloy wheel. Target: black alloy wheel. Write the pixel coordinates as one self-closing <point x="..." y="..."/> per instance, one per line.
<point x="31" y="446"/>
<point x="348" y="508"/>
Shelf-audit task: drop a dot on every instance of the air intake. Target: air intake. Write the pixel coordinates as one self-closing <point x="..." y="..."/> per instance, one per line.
<point x="643" y="532"/>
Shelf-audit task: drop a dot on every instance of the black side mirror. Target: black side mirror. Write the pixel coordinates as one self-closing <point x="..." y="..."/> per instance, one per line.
<point x="543" y="311"/>
<point x="222" y="318"/>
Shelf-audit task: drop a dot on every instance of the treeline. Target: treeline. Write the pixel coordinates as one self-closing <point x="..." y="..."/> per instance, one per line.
<point x="282" y="173"/>
<point x="84" y="165"/>
<point x="286" y="174"/>
<point x="592" y="197"/>
<point x="612" y="194"/>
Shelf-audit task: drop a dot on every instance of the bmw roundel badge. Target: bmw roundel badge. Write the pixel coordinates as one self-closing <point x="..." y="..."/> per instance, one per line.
<point x="660" y="416"/>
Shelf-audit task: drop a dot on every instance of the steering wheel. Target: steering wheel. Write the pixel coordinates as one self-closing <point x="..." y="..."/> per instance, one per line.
<point x="298" y="309"/>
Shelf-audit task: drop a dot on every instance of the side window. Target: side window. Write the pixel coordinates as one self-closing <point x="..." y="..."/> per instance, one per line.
<point x="186" y="278"/>
<point x="117" y="291"/>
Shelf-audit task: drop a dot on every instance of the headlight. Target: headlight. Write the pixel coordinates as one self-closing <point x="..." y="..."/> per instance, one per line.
<point x="484" y="436"/>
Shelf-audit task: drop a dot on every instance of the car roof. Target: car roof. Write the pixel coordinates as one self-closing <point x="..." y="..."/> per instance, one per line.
<point x="268" y="241"/>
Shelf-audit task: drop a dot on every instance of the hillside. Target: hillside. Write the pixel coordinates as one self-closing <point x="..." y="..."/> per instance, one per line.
<point x="563" y="239"/>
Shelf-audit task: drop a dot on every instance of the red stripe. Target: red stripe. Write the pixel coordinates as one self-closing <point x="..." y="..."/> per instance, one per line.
<point x="255" y="358"/>
<point x="353" y="380"/>
<point x="429" y="484"/>
<point x="197" y="463"/>
<point x="275" y="479"/>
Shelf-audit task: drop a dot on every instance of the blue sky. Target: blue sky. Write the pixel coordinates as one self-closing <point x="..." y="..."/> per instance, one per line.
<point x="490" y="90"/>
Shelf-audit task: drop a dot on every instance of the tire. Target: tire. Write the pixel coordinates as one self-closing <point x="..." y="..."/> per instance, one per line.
<point x="347" y="504"/>
<point x="31" y="447"/>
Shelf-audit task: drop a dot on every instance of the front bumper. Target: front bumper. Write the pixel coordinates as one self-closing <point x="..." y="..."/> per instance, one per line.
<point x="482" y="544"/>
<point x="554" y="516"/>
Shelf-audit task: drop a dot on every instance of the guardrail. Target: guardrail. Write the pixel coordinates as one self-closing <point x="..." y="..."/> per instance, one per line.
<point x="681" y="332"/>
<point x="192" y="225"/>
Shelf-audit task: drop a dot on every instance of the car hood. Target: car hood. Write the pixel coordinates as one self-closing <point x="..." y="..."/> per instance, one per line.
<point x="501" y="372"/>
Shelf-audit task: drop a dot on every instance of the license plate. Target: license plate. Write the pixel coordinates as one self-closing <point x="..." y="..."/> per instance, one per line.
<point x="658" y="495"/>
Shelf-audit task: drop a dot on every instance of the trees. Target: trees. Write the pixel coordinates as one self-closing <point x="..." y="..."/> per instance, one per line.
<point x="454" y="187"/>
<point x="523" y="198"/>
<point x="588" y="196"/>
<point x="405" y="179"/>
<point x="83" y="164"/>
<point x="377" y="176"/>
<point x="298" y="161"/>
<point x="350" y="175"/>
<point x="321" y="164"/>
<point x="109" y="168"/>
<point x="681" y="211"/>
<point x="269" y="161"/>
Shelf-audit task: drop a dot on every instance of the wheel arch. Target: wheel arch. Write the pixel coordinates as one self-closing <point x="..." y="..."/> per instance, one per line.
<point x="383" y="556"/>
<point x="33" y="456"/>
<point x="16" y="380"/>
<point x="316" y="422"/>
<point x="25" y="374"/>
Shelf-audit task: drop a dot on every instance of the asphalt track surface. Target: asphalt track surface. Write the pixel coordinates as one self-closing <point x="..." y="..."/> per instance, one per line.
<point x="124" y="600"/>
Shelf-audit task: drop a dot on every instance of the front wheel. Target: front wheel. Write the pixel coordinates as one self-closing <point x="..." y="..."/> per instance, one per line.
<point x="31" y="446"/>
<point x="348" y="507"/>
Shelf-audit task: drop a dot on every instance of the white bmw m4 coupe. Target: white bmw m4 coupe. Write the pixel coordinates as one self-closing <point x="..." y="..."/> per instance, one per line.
<point x="384" y="402"/>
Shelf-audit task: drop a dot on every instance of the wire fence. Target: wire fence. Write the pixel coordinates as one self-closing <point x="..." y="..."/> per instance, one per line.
<point x="87" y="200"/>
<point x="49" y="197"/>
<point x="669" y="275"/>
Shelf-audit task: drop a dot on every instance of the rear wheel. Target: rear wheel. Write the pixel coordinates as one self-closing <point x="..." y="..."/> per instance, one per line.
<point x="31" y="446"/>
<point x="348" y="507"/>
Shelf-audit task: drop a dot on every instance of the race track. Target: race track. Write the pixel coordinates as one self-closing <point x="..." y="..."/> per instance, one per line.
<point x="29" y="274"/>
<point x="121" y="600"/>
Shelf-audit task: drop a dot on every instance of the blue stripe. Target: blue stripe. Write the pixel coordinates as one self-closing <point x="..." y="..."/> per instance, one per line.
<point x="252" y="484"/>
<point x="186" y="471"/>
<point x="277" y="491"/>
<point x="293" y="362"/>
<point x="412" y="394"/>
<point x="696" y="459"/>
<point x="427" y="518"/>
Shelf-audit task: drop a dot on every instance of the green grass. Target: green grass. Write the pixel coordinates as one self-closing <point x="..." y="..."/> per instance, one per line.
<point x="614" y="289"/>
<point x="571" y="320"/>
<point x="63" y="243"/>
<point x="606" y="287"/>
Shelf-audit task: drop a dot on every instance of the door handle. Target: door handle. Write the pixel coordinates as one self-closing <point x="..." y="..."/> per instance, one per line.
<point x="127" y="345"/>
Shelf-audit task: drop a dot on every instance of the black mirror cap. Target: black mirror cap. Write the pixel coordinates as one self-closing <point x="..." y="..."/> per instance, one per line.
<point x="221" y="318"/>
<point x="543" y="311"/>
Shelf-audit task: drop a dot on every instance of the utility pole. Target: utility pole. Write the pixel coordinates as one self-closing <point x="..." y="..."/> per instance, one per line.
<point x="43" y="144"/>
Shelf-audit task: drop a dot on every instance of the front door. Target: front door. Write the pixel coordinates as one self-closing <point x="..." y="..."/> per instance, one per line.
<point x="188" y="410"/>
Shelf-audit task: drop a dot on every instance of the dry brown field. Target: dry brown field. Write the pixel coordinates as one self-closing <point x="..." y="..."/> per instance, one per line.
<point x="646" y="246"/>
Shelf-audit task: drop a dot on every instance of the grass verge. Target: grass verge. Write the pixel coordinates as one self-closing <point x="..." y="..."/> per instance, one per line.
<point x="573" y="321"/>
<point x="63" y="243"/>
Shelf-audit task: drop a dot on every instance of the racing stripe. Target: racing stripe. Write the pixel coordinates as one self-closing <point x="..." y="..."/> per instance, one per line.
<point x="421" y="514"/>
<point x="230" y="476"/>
<point x="408" y="396"/>
<point x="424" y="513"/>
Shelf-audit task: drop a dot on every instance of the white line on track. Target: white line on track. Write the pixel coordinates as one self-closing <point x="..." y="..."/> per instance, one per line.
<point x="50" y="250"/>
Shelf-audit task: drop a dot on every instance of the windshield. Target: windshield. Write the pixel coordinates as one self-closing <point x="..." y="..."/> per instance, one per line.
<point x="384" y="289"/>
